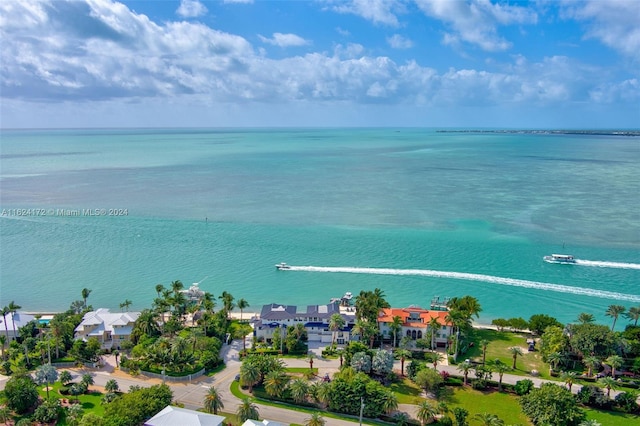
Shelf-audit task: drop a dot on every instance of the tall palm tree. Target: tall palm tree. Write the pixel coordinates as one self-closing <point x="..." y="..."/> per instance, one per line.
<point x="227" y="301"/>
<point x="316" y="419"/>
<point x="389" y="402"/>
<point x="159" y="289"/>
<point x="591" y="362"/>
<point x="434" y="325"/>
<point x="426" y="412"/>
<point x="615" y="362"/>
<point x="85" y="294"/>
<point x="614" y="311"/>
<point x="608" y="383"/>
<point x="242" y="305"/>
<point x="13" y="308"/>
<point x="515" y="351"/>
<point x="336" y="322"/>
<point x="125" y="305"/>
<point x="585" y="318"/>
<point x="247" y="411"/>
<point x="5" y="311"/>
<point x="213" y="401"/>
<point x="395" y="326"/>
<point x="484" y="343"/>
<point x="464" y="368"/>
<point x="500" y="368"/>
<point x="249" y="374"/>
<point x="634" y="314"/>
<point x="275" y="383"/>
<point x="403" y="354"/>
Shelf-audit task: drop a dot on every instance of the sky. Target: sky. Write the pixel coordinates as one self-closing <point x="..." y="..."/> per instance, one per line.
<point x="320" y="63"/>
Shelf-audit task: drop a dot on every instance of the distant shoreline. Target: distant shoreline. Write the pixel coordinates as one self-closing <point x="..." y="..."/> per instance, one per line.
<point x="632" y="133"/>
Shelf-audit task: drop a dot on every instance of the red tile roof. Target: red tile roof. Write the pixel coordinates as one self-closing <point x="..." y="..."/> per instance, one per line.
<point x="387" y="314"/>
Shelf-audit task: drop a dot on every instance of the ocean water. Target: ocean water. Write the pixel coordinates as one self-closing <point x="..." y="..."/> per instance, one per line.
<point x="415" y="212"/>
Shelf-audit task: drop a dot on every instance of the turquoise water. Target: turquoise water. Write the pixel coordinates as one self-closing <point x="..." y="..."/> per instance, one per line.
<point x="226" y="205"/>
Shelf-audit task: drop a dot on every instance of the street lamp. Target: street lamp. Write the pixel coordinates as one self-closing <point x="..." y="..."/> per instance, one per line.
<point x="361" y="408"/>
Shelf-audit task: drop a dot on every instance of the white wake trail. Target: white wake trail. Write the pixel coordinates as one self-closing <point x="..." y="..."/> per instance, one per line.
<point x="474" y="277"/>
<point x="602" y="264"/>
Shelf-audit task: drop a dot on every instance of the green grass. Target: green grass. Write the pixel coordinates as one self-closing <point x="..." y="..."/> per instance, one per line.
<point x="498" y="348"/>
<point x="610" y="418"/>
<point x="91" y="402"/>
<point x="300" y="370"/>
<point x="503" y="405"/>
<point x="406" y="391"/>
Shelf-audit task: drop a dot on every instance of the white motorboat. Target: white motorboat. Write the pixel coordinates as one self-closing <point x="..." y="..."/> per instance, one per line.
<point x="560" y="258"/>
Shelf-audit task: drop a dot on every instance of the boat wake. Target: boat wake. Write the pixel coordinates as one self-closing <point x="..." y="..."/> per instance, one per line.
<point x="474" y="277"/>
<point x="600" y="264"/>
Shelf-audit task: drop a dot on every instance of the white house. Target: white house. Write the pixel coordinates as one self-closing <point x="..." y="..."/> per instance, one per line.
<point x="274" y="318"/>
<point x="111" y="329"/>
<point x="176" y="416"/>
<point x="264" y="422"/>
<point x="7" y="322"/>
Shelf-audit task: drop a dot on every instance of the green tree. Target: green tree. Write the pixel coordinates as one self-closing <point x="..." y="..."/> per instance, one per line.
<point x="136" y="406"/>
<point x="389" y="402"/>
<point x="85" y="294"/>
<point x="361" y="361"/>
<point x="460" y="414"/>
<point x="464" y="368"/>
<point x="382" y="362"/>
<point x="614" y="311"/>
<point x="592" y="339"/>
<point x="591" y="362"/>
<point x="552" y="405"/>
<point x="538" y="323"/>
<point x="65" y="377"/>
<point x="569" y="377"/>
<point x="428" y="379"/>
<point x="426" y="412"/>
<point x="433" y="327"/>
<point x="634" y="315"/>
<point x="242" y="305"/>
<point x="615" y="362"/>
<point x="488" y="419"/>
<point x="48" y="412"/>
<point x="13" y="308"/>
<point x="608" y="383"/>
<point x="46" y="374"/>
<point x="585" y="318"/>
<point x="247" y="411"/>
<point x="275" y="383"/>
<point x="21" y="393"/>
<point x="249" y="373"/>
<point x="501" y="368"/>
<point x="403" y="354"/>
<point x="111" y="386"/>
<point x="336" y="322"/>
<point x="213" y="401"/>
<point x="395" y="326"/>
<point x="299" y="390"/>
<point x="515" y="351"/>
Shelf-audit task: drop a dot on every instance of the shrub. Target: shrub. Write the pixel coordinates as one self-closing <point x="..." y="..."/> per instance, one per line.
<point x="627" y="402"/>
<point x="523" y="387"/>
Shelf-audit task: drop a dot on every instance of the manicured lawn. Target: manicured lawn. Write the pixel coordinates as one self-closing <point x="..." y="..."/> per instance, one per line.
<point x="406" y="391"/>
<point x="503" y="405"/>
<point x="498" y="348"/>
<point x="609" y="418"/>
<point x="300" y="370"/>
<point x="91" y="402"/>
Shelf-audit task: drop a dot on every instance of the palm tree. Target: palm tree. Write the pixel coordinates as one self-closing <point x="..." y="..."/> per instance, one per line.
<point x="126" y="304"/>
<point x="434" y="325"/>
<point x="615" y="362"/>
<point x="555" y="359"/>
<point x="227" y="301"/>
<point x="403" y="354"/>
<point x="426" y="412"/>
<point x="568" y="377"/>
<point x="299" y="390"/>
<point x="585" y="318"/>
<point x="5" y="311"/>
<point x="159" y="289"/>
<point x="249" y="374"/>
<point x="213" y="401"/>
<point x="614" y="311"/>
<point x="501" y="368"/>
<point x="321" y="392"/>
<point x="336" y="322"/>
<point x="247" y="411"/>
<point x="634" y="314"/>
<point x="3" y="341"/>
<point x="46" y="374"/>
<point x="275" y="383"/>
<point x="488" y="419"/>
<point x="242" y="305"/>
<point x="591" y="362"/>
<point x="435" y="357"/>
<point x="65" y="377"/>
<point x="484" y="343"/>
<point x="515" y="351"/>
<point x="85" y="295"/>
<point x="389" y="402"/>
<point x="464" y="368"/>
<point x="395" y="326"/>
<point x="13" y="308"/>
<point x="111" y="386"/>
<point x="316" y="419"/>
<point x="608" y="383"/>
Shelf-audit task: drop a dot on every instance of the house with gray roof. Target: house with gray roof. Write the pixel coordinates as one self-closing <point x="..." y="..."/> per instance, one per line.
<point x="111" y="329"/>
<point x="13" y="320"/>
<point x="176" y="416"/>
<point x="274" y="318"/>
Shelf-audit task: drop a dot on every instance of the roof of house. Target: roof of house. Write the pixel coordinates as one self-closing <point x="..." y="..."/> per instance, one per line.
<point x="20" y="319"/>
<point x="265" y="422"/>
<point x="425" y="315"/>
<point x="274" y="312"/>
<point x="172" y="416"/>
<point x="104" y="320"/>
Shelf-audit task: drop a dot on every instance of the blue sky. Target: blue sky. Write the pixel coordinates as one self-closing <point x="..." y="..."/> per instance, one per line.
<point x="425" y="63"/>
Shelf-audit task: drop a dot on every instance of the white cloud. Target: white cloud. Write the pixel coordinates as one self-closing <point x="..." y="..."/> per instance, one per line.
<point x="614" y="23"/>
<point x="476" y="21"/>
<point x="343" y="32"/>
<point x="191" y="9"/>
<point x="376" y="11"/>
<point x="238" y="1"/>
<point x="284" y="40"/>
<point x="398" y="42"/>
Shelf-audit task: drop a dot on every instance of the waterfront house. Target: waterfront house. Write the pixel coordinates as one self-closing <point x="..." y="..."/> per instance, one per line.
<point x="415" y="324"/>
<point x="111" y="329"/>
<point x="274" y="318"/>
<point x="14" y="320"/>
